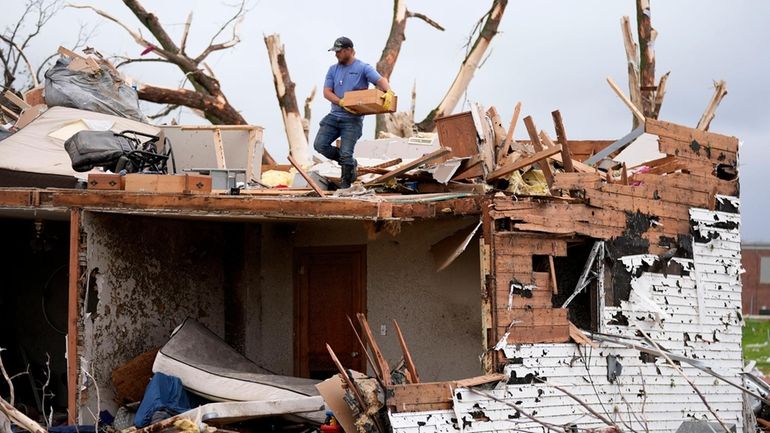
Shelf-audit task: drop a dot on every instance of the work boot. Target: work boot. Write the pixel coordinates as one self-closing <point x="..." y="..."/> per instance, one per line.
<point x="347" y="177"/>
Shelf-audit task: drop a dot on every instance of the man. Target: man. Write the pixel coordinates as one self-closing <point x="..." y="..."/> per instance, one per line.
<point x="347" y="74"/>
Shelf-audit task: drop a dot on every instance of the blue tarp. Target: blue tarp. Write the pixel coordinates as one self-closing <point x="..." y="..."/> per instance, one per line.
<point x="163" y="393"/>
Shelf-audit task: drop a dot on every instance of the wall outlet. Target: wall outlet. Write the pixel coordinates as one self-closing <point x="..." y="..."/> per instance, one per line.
<point x="383" y="330"/>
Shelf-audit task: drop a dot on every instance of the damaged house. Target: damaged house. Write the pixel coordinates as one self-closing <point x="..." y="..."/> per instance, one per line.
<point x="541" y="285"/>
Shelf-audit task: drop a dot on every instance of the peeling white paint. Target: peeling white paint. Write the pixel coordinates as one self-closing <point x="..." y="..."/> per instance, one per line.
<point x="696" y="315"/>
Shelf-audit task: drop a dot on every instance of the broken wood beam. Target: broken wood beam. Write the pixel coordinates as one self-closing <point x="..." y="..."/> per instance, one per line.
<point x="577" y="166"/>
<point x="16" y="100"/>
<point x="524" y="162"/>
<point x="532" y="131"/>
<point x="552" y="271"/>
<point x="307" y="177"/>
<point x="660" y="94"/>
<point x="561" y="137"/>
<point x="387" y="164"/>
<point x="507" y="144"/>
<point x="638" y="114"/>
<point x="369" y="359"/>
<point x="347" y="378"/>
<point x="411" y="369"/>
<point x="382" y="364"/>
<point x="410" y="166"/>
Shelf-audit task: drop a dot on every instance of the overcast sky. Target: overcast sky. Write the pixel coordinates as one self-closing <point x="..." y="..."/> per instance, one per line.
<point x="550" y="54"/>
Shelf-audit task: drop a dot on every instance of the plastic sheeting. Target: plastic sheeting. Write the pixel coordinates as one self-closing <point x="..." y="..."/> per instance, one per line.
<point x="99" y="92"/>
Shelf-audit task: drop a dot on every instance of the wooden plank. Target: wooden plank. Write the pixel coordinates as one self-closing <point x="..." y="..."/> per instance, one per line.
<point x="411" y="369"/>
<point x="387" y="164"/>
<point x="508" y="143"/>
<point x="16" y="100"/>
<point x="220" y="127"/>
<point x="403" y="398"/>
<point x="561" y="136"/>
<point x="552" y="271"/>
<point x="638" y="114"/>
<point x="508" y="243"/>
<point x="537" y="334"/>
<point x="307" y="177"/>
<point x="347" y="379"/>
<point x="533" y="317"/>
<point x="15" y="198"/>
<point x="664" y="193"/>
<point x="687" y="134"/>
<point x="695" y="150"/>
<point x="544" y="165"/>
<point x="382" y="364"/>
<point x="73" y="317"/>
<point x="410" y="166"/>
<point x="9" y="112"/>
<point x="580" y="337"/>
<point x="523" y="162"/>
<point x="219" y="149"/>
<point x="636" y="204"/>
<point x="575" y="165"/>
<point x="576" y="181"/>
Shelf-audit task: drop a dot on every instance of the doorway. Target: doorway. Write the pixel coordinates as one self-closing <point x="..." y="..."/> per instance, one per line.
<point x="329" y="287"/>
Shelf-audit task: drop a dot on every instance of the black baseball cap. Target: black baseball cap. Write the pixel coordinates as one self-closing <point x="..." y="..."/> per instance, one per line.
<point x="340" y="43"/>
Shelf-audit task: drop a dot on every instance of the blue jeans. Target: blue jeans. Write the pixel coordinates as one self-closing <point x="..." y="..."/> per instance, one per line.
<point x="333" y="127"/>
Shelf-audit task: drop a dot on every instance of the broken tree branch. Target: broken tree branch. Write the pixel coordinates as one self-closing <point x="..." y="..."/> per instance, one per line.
<point x="287" y="100"/>
<point x="308" y="113"/>
<point x="435" y="25"/>
<point x="468" y="68"/>
<point x="660" y="94"/>
<point x="647" y="37"/>
<point x="632" y="56"/>
<point x="720" y="90"/>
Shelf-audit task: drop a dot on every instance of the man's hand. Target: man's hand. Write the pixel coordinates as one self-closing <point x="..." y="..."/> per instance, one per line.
<point x="387" y="99"/>
<point x="349" y="110"/>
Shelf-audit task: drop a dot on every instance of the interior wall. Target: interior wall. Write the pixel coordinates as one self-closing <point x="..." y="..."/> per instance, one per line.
<point x="145" y="276"/>
<point x="435" y="311"/>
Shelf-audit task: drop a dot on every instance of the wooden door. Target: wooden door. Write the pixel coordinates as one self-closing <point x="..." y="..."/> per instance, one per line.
<point x="329" y="287"/>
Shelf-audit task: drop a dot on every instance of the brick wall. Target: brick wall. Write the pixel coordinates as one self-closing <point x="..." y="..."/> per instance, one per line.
<point x="755" y="295"/>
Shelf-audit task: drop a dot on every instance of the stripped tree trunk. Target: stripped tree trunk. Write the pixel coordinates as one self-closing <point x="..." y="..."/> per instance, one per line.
<point x="308" y="113"/>
<point x="388" y="58"/>
<point x="287" y="100"/>
<point x="469" y="66"/>
<point x="720" y="90"/>
<point x="632" y="55"/>
<point x="647" y="56"/>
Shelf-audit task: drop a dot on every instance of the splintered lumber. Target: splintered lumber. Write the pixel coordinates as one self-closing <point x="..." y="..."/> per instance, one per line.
<point x="720" y="90"/>
<point x="638" y="114"/>
<point x="411" y="369"/>
<point x="634" y="85"/>
<point x="687" y="134"/>
<point x="387" y="164"/>
<point x="580" y="337"/>
<point x="561" y="136"/>
<point x="479" y="380"/>
<point x="532" y="131"/>
<point x="624" y="175"/>
<point x="524" y="162"/>
<point x="552" y="271"/>
<point x="346" y="377"/>
<point x="660" y="94"/>
<point x="16" y="100"/>
<point x="576" y="165"/>
<point x="307" y="177"/>
<point x="382" y="364"/>
<point x="410" y="166"/>
<point x="506" y="147"/>
<point x="366" y="352"/>
<point x="497" y="127"/>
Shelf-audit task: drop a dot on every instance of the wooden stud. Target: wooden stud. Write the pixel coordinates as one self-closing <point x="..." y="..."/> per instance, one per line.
<point x="16" y="100"/>
<point x="410" y="166"/>
<point x="544" y="166"/>
<point x="552" y="271"/>
<point x="369" y="336"/>
<point x="72" y="317"/>
<point x="347" y="379"/>
<point x="219" y="149"/>
<point x="624" y="175"/>
<point x="561" y="137"/>
<point x="411" y="369"/>
<point x="307" y="177"/>
<point x="508" y="143"/>
<point x="524" y="162"/>
<point x="366" y="352"/>
<point x="638" y="114"/>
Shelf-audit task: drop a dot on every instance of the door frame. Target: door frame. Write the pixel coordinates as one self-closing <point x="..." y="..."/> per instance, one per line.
<point x="301" y="344"/>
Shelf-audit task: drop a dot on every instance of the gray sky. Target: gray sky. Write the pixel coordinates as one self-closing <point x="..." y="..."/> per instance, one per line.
<point x="550" y="54"/>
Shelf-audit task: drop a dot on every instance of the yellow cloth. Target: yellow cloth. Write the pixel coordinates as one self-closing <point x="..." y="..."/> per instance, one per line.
<point x="387" y="100"/>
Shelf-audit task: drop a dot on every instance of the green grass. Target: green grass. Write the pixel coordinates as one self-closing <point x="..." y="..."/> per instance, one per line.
<point x="756" y="343"/>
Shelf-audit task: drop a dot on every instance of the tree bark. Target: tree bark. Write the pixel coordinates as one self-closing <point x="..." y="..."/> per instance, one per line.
<point x="632" y="56"/>
<point x="287" y="100"/>
<point x="469" y="66"/>
<point x="390" y="53"/>
<point x="647" y="56"/>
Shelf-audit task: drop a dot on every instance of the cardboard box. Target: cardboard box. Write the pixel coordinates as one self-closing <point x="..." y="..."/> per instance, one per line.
<point x="197" y="184"/>
<point x="368" y="101"/>
<point x="106" y="181"/>
<point x="164" y="183"/>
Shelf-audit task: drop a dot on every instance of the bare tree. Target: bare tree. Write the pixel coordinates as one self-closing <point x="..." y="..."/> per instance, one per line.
<point x="206" y="94"/>
<point x="647" y="37"/>
<point x="491" y="21"/>
<point x="16" y="39"/>
<point x="392" y="49"/>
